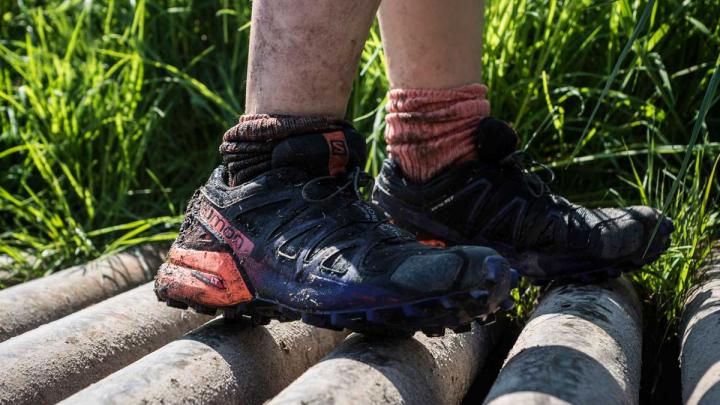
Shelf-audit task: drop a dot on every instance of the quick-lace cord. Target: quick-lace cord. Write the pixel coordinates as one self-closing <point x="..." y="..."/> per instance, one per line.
<point x="520" y="159"/>
<point x="357" y="179"/>
<point x="362" y="179"/>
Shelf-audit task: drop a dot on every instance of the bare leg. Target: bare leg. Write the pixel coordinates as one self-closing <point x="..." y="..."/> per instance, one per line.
<point x="304" y="54"/>
<point x="439" y="136"/>
<point x="434" y="44"/>
<point x="434" y="57"/>
<point x="280" y="202"/>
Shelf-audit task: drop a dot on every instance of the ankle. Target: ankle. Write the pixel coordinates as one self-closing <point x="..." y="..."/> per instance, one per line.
<point x="429" y="130"/>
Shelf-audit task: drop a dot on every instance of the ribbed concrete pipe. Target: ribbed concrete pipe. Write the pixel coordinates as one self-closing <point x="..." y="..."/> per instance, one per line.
<point x="421" y="370"/>
<point x="700" y="331"/>
<point x="29" y="305"/>
<point x="582" y="345"/>
<point x="57" y="359"/>
<point x="220" y="363"/>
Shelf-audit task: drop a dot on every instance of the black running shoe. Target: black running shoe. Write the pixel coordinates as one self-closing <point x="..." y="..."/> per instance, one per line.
<point x="495" y="202"/>
<point x="297" y="243"/>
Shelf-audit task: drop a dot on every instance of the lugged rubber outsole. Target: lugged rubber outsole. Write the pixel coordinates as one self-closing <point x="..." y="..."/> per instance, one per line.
<point x="596" y="275"/>
<point x="431" y="315"/>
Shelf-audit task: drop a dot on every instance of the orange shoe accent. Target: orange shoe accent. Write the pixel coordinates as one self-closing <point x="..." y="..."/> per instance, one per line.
<point x="434" y="243"/>
<point x="338" y="148"/>
<point x="207" y="278"/>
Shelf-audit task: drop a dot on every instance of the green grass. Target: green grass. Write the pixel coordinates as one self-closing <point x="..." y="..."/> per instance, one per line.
<point x="94" y="98"/>
<point x="111" y="114"/>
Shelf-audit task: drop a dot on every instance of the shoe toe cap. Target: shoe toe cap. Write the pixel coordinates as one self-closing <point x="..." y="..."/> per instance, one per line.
<point x="650" y="217"/>
<point x="630" y="234"/>
<point x="486" y="269"/>
<point x="457" y="268"/>
<point x="428" y="273"/>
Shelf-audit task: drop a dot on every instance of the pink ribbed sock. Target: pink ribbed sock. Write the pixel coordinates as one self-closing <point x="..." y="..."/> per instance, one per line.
<point x="428" y="130"/>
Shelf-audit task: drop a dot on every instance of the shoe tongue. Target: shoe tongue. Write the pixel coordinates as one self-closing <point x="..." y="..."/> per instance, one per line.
<point x="495" y="140"/>
<point x="322" y="154"/>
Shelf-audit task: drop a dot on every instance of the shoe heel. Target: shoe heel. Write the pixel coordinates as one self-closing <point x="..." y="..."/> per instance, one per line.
<point x="201" y="278"/>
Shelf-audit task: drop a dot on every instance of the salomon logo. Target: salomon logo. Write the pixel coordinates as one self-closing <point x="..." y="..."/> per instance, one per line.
<point x="338" y="147"/>
<point x="212" y="219"/>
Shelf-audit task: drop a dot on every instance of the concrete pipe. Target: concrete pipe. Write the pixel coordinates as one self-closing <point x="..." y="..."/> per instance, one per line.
<point x="581" y="346"/>
<point x="31" y="304"/>
<point x="420" y="370"/>
<point x="57" y="359"/>
<point x="220" y="363"/>
<point x="700" y="332"/>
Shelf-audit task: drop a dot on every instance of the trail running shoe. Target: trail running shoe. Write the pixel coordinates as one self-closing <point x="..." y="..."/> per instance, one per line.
<point x="496" y="202"/>
<point x="297" y="243"/>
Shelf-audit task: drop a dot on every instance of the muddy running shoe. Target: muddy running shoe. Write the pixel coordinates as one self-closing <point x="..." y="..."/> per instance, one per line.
<point x="296" y="243"/>
<point x="495" y="202"/>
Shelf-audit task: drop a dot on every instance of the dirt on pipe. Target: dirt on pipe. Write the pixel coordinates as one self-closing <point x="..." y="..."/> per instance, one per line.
<point x="582" y="345"/>
<point x="31" y="304"/>
<point x="700" y="337"/>
<point x="364" y="370"/>
<point x="223" y="362"/>
<point x="57" y="359"/>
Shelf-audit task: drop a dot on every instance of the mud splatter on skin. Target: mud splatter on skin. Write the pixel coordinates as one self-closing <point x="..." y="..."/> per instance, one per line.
<point x="304" y="63"/>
